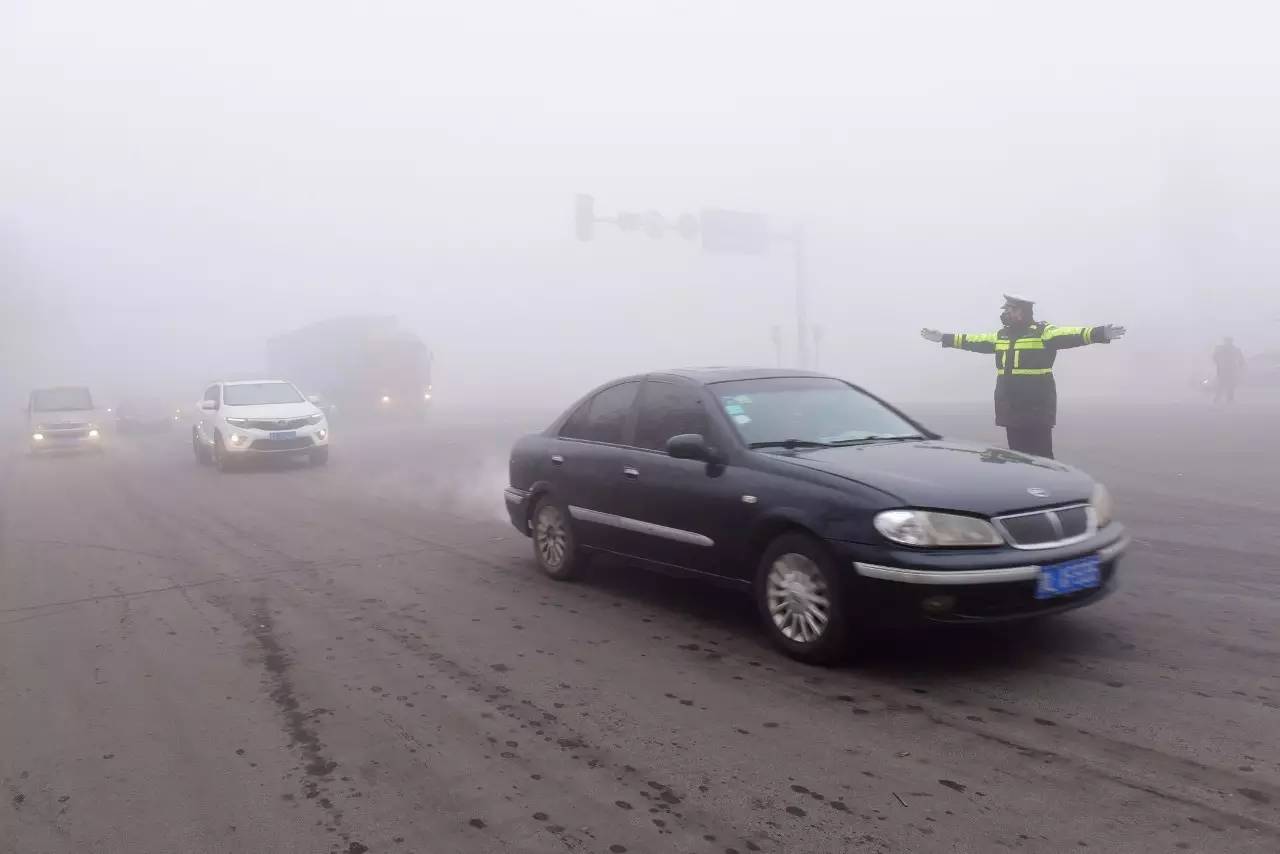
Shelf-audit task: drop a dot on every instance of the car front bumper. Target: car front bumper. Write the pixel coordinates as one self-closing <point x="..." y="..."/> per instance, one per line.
<point x="897" y="585"/>
<point x="55" y="441"/>
<point x="250" y="442"/>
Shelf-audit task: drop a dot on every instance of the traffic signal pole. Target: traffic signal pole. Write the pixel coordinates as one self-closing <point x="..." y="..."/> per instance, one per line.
<point x="720" y="231"/>
<point x="802" y="286"/>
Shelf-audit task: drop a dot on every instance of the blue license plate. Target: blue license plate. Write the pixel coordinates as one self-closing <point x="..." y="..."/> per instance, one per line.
<point x="1063" y="579"/>
<point x="284" y="434"/>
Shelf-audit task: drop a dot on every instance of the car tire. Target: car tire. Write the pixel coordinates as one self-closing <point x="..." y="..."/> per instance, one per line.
<point x="555" y="547"/>
<point x="799" y="594"/>
<point x="319" y="456"/>
<point x="221" y="459"/>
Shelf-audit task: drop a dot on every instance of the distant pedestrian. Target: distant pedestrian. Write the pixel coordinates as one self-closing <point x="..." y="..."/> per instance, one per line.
<point x="1230" y="363"/>
<point x="1026" y="394"/>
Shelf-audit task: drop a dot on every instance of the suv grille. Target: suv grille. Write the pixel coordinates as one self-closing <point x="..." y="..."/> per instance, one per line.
<point x="283" y="424"/>
<point x="281" y="444"/>
<point x="1047" y="528"/>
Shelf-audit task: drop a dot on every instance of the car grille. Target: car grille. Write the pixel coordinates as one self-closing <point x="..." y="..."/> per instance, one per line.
<point x="55" y="435"/>
<point x="295" y="444"/>
<point x="64" y="426"/>
<point x="1047" y="528"/>
<point x="284" y="424"/>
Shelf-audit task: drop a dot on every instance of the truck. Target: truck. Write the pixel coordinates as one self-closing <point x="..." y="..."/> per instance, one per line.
<point x="358" y="367"/>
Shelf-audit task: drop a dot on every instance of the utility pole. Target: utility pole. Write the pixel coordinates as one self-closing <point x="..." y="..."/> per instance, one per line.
<point x="777" y="344"/>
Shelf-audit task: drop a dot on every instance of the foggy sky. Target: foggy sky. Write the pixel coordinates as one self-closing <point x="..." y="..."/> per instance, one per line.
<point x="180" y="180"/>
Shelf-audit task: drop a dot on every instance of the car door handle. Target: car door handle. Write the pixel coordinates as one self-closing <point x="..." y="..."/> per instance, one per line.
<point x="556" y="459"/>
<point x="631" y="473"/>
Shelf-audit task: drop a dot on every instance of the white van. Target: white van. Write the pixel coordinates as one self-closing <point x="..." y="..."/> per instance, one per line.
<point x="62" y="418"/>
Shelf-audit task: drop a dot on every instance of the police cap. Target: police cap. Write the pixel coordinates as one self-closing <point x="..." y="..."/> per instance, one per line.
<point x="1018" y="301"/>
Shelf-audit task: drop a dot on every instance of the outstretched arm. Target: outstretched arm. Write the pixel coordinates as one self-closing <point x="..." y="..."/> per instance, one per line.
<point x="1066" y="337"/>
<point x="974" y="342"/>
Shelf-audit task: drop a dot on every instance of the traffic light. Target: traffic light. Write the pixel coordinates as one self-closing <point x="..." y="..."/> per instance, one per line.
<point x="584" y="210"/>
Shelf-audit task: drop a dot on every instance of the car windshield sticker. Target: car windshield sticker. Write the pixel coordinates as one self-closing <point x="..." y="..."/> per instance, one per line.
<point x="734" y="409"/>
<point x="742" y="419"/>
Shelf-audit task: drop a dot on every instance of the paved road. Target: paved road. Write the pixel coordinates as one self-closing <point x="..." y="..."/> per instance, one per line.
<point x="362" y="658"/>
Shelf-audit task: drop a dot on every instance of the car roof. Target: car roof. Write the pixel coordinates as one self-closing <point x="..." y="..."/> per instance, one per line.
<point x="253" y="382"/>
<point x="718" y="374"/>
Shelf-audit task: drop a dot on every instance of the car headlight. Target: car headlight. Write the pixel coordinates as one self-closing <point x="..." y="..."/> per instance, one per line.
<point x="239" y="422"/>
<point x="927" y="529"/>
<point x="93" y="434"/>
<point x="1103" y="509"/>
<point x="315" y="419"/>
<point x="37" y="437"/>
<point x="386" y="398"/>
<point x="322" y="434"/>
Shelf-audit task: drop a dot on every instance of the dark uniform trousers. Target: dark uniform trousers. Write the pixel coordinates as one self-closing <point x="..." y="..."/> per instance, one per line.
<point x="1026" y="396"/>
<point x="1034" y="439"/>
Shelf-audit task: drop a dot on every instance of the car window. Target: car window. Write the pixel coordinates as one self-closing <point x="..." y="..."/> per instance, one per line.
<point x="61" y="399"/>
<point x="211" y="393"/>
<point x="604" y="417"/>
<point x="666" y="410"/>
<point x="808" y="409"/>
<point x="259" y="394"/>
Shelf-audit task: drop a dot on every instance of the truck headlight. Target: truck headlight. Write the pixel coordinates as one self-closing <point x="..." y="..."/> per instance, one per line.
<point x="1103" y="509"/>
<point x="927" y="529"/>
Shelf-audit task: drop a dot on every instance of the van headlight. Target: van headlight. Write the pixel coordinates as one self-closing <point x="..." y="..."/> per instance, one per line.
<point x="1103" y="509"/>
<point x="928" y="529"/>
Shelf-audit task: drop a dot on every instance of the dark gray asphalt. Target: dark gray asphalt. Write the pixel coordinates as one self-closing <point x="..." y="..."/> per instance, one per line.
<point x="363" y="658"/>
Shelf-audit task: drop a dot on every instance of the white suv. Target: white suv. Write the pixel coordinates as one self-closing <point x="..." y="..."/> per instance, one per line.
<point x="250" y="418"/>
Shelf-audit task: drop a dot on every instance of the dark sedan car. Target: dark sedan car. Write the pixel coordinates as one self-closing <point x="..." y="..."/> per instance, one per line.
<point x="835" y="509"/>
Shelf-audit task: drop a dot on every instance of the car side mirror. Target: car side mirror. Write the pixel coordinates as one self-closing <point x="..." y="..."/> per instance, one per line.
<point x="692" y="446"/>
<point x="208" y="406"/>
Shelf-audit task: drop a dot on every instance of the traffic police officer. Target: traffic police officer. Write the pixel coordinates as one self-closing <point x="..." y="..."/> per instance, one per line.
<point x="1026" y="394"/>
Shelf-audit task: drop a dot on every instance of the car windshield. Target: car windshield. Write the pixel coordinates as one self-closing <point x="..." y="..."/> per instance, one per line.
<point x="61" y="399"/>
<point x="808" y="412"/>
<point x="257" y="394"/>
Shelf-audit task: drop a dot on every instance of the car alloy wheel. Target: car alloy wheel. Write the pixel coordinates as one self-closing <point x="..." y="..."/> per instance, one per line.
<point x="798" y="599"/>
<point x="803" y="601"/>
<point x="553" y="540"/>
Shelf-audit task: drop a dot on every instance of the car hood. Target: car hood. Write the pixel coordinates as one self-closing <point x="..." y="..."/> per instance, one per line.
<point x="64" y="416"/>
<point x="951" y="475"/>
<point x="271" y="411"/>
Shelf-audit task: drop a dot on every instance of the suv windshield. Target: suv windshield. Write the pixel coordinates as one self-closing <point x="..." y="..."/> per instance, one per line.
<point x="808" y="412"/>
<point x="61" y="399"/>
<point x="257" y="394"/>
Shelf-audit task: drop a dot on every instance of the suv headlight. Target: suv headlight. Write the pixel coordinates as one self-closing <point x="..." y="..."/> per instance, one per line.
<point x="927" y="529"/>
<point x="1103" y="510"/>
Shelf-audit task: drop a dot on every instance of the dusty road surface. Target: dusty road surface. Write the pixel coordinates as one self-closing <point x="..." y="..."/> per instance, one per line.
<point x="363" y="658"/>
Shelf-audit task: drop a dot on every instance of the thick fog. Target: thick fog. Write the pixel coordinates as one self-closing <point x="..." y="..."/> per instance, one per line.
<point x="181" y="181"/>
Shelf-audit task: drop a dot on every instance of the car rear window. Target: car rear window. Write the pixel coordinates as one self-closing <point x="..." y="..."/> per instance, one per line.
<point x="604" y="417"/>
